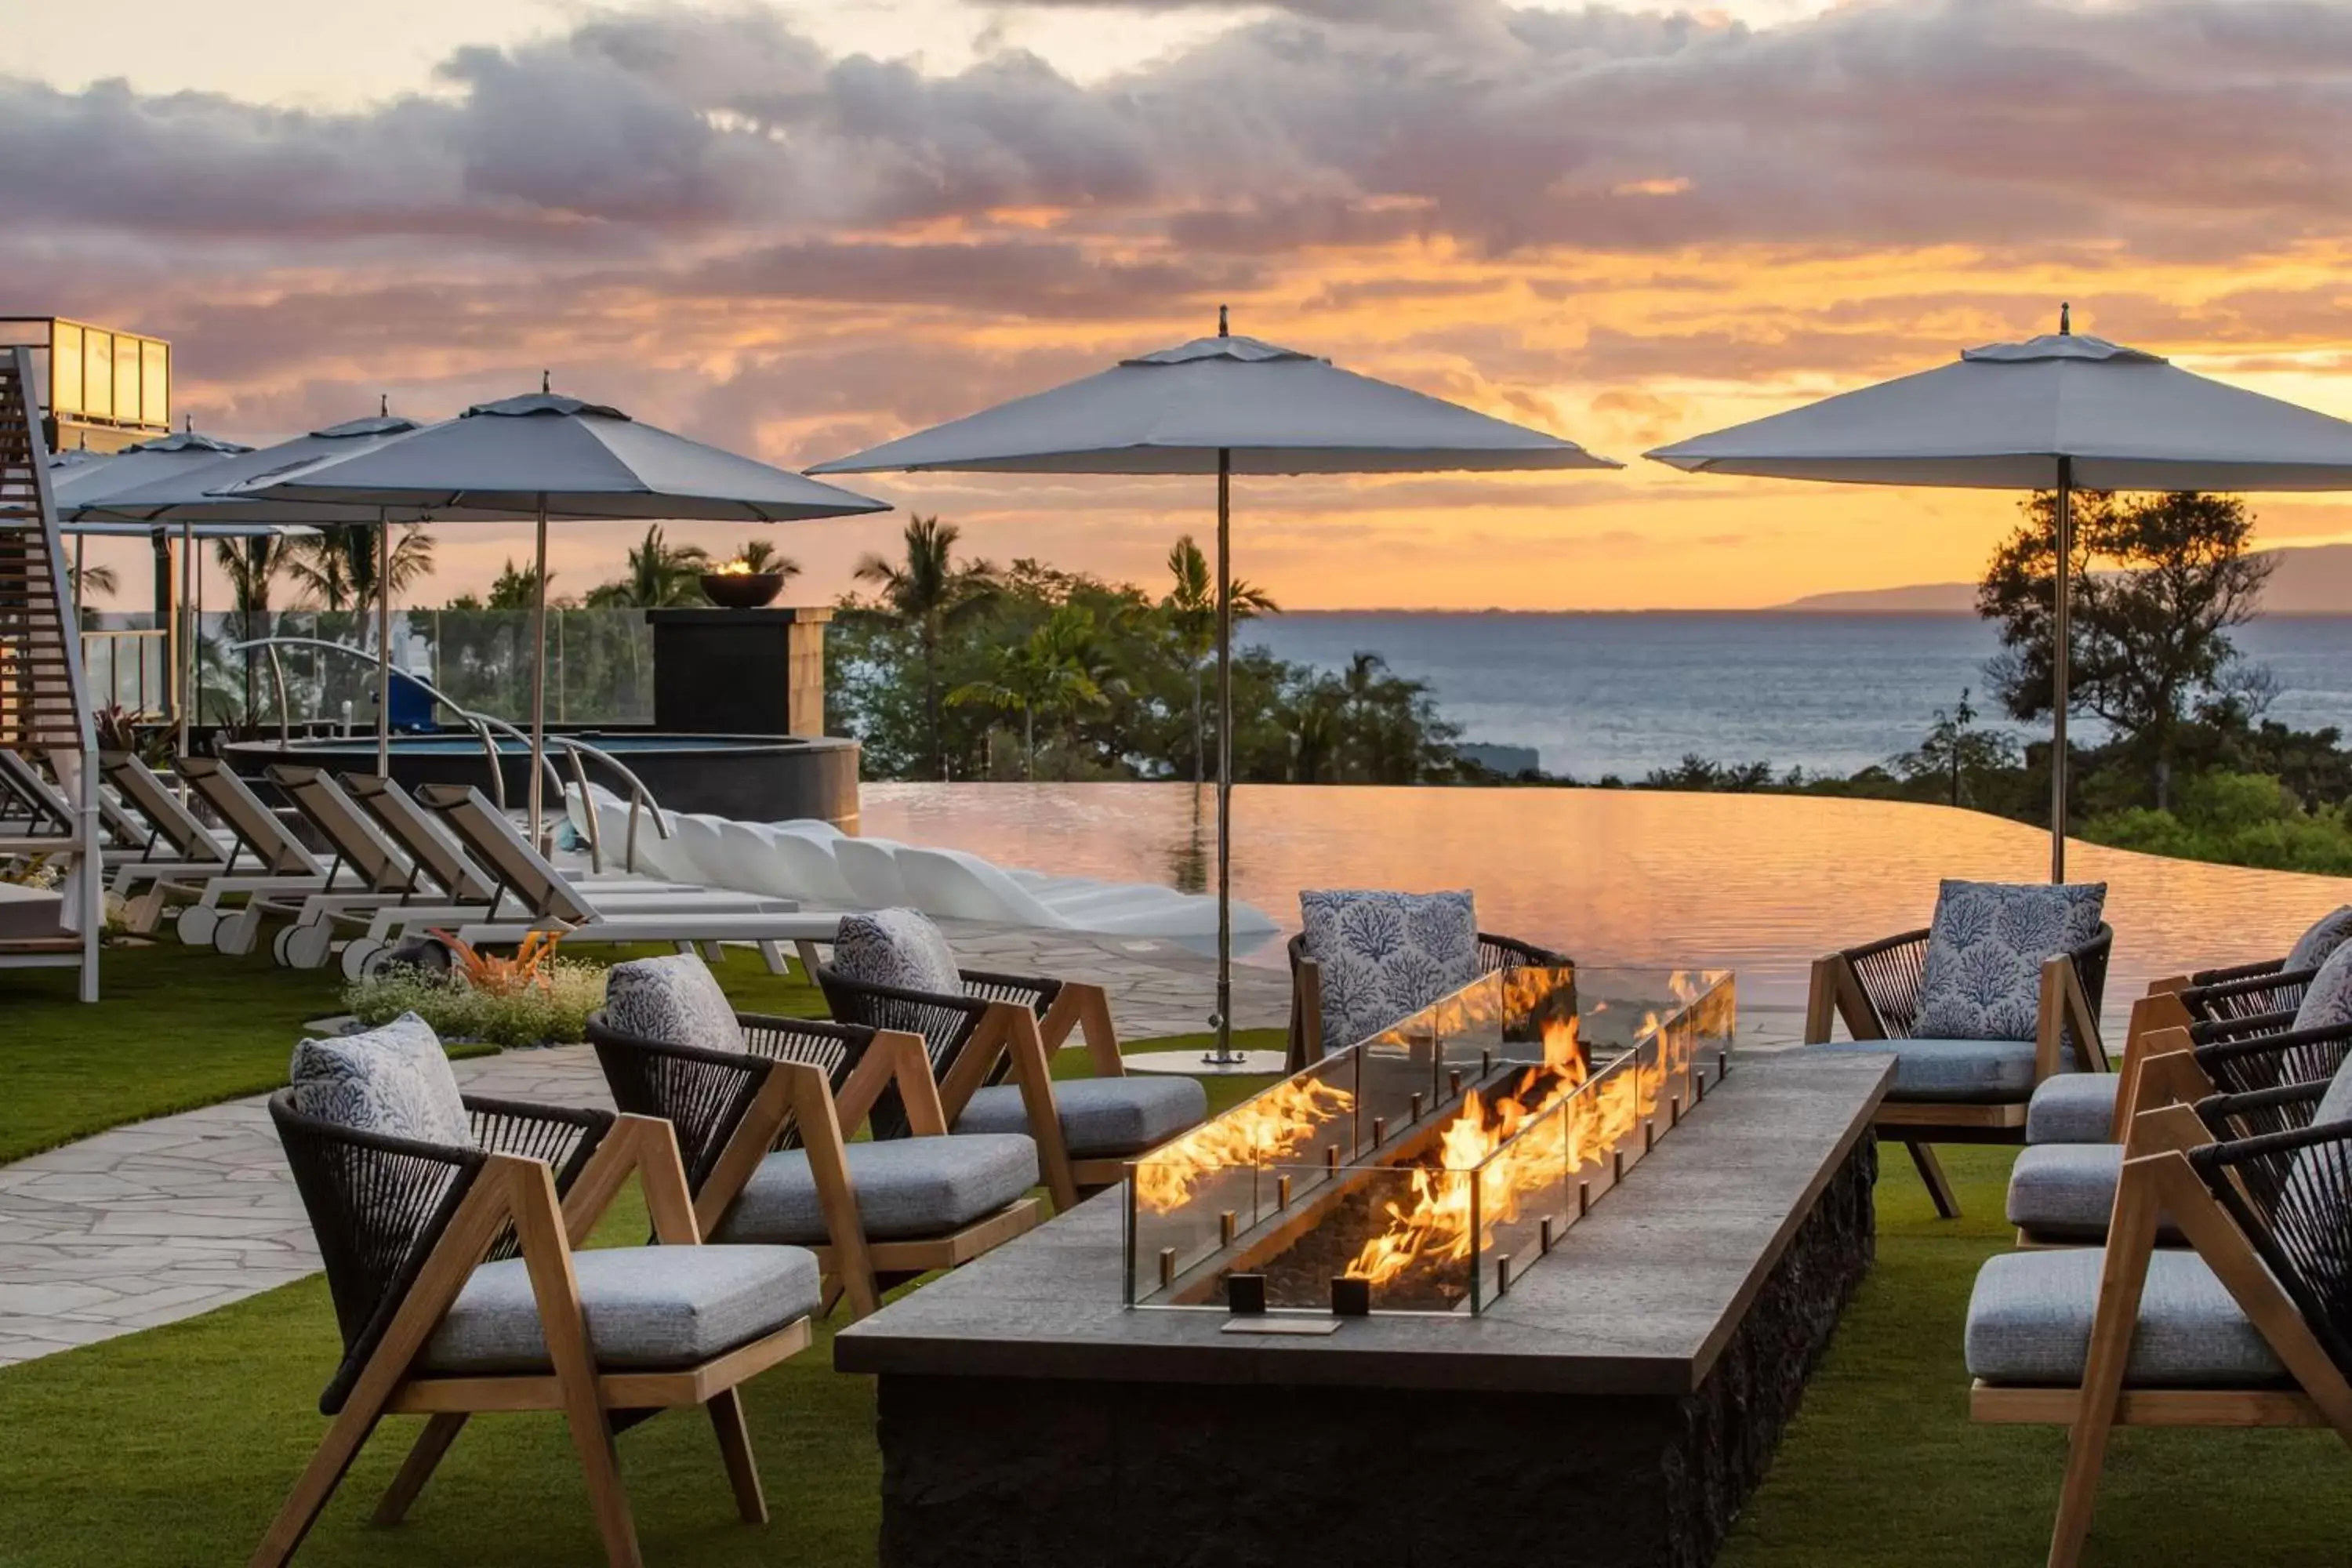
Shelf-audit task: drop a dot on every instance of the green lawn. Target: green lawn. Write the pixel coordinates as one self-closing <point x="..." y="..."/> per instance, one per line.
<point x="174" y="1447"/>
<point x="181" y="1026"/>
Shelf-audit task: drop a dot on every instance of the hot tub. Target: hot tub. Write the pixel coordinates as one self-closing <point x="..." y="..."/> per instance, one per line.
<point x="754" y="778"/>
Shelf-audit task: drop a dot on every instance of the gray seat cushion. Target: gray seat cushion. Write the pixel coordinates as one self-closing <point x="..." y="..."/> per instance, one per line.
<point x="2072" y="1107"/>
<point x="905" y="1187"/>
<point x="646" y="1306"/>
<point x="1100" y="1116"/>
<point x="1960" y="1072"/>
<point x="2065" y="1192"/>
<point x="2029" y="1323"/>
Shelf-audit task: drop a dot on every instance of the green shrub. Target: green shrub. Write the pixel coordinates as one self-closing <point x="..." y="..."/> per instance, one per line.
<point x="554" y="1012"/>
<point x="2242" y="820"/>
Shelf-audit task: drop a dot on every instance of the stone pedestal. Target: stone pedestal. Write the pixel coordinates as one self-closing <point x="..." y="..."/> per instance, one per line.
<point x="1616" y="1409"/>
<point x="740" y="672"/>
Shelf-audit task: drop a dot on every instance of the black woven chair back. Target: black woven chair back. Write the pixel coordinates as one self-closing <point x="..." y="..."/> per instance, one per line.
<point x="704" y="1094"/>
<point x="946" y="1024"/>
<point x="2291" y="1193"/>
<point x="2091" y="971"/>
<point x="377" y="1206"/>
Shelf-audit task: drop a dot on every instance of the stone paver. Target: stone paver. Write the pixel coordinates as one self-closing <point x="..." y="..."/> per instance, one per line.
<point x="161" y="1220"/>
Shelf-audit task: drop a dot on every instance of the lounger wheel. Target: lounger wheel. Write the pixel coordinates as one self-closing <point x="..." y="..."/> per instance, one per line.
<point x="304" y="946"/>
<point x="235" y="934"/>
<point x="360" y="956"/>
<point x="197" y="924"/>
<point x="278" y="948"/>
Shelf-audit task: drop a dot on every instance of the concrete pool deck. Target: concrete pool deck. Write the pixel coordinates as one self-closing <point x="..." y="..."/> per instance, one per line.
<point x="161" y="1220"/>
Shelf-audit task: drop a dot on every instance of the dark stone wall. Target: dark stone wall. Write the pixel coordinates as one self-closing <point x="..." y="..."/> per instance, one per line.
<point x="985" y="1471"/>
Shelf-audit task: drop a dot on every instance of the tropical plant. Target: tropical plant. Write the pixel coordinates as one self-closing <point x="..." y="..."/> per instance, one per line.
<point x="552" y="1010"/>
<point x="927" y="593"/>
<point x="253" y="566"/>
<point x="1192" y="610"/>
<point x="2161" y="580"/>
<point x="1955" y="752"/>
<point x="659" y="576"/>
<point x="530" y="967"/>
<point x="87" y="581"/>
<point x="335" y="569"/>
<point x="761" y="555"/>
<point x="1055" y="670"/>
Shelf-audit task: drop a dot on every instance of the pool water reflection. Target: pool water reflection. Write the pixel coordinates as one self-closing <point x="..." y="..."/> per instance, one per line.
<point x="1762" y="884"/>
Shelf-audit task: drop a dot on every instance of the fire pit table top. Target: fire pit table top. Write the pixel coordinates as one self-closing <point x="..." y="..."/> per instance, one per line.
<point x="1639" y="1299"/>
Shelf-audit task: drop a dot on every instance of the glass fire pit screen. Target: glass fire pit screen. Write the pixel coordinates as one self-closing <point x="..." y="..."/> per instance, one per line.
<point x="1426" y="1169"/>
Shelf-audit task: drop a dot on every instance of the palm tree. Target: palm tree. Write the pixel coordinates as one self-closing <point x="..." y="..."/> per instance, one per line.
<point x="660" y="575"/>
<point x="86" y="580"/>
<point x="761" y="556"/>
<point x="1191" y="609"/>
<point x="927" y="593"/>
<point x="1053" y="670"/>
<point x="336" y="567"/>
<point x="252" y="565"/>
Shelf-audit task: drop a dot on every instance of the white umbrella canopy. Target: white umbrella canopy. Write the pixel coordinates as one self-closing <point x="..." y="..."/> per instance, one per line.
<point x="543" y="456"/>
<point x="2054" y="413"/>
<point x="1223" y="406"/>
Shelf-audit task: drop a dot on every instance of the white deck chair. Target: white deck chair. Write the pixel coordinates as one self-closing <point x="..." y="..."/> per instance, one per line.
<point x="285" y="873"/>
<point x="548" y="902"/>
<point x="182" y="852"/>
<point x="870" y="867"/>
<point x="965" y="887"/>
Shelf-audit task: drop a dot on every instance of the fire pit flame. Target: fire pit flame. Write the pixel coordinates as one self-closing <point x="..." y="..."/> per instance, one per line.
<point x="1269" y="1129"/>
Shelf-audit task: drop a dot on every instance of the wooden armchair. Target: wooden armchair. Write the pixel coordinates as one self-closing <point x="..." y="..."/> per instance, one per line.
<point x="2240" y="1082"/>
<point x="460" y="1287"/>
<point x="2250" y="1325"/>
<point x="991" y="1051"/>
<point x="1307" y="1042"/>
<point x="1960" y="1091"/>
<point x="778" y="1119"/>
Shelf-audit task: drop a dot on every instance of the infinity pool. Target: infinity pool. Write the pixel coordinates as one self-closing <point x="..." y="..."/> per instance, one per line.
<point x="1764" y="884"/>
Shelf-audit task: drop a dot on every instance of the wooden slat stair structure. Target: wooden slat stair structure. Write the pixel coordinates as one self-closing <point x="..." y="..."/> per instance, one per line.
<point x="44" y="701"/>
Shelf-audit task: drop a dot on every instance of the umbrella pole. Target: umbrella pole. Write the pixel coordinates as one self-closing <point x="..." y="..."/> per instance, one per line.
<point x="383" y="645"/>
<point x="538" y="672"/>
<point x="187" y="631"/>
<point x="2062" y="647"/>
<point x="1223" y="1055"/>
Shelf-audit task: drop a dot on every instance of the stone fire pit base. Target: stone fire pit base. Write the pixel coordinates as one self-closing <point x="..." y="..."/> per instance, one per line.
<point x="1401" y="1453"/>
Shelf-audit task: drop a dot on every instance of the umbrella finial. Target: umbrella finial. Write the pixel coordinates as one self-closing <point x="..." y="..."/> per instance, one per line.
<point x="383" y="404"/>
<point x="1222" y="331"/>
<point x="187" y="424"/>
<point x="545" y="380"/>
<point x="2065" y="320"/>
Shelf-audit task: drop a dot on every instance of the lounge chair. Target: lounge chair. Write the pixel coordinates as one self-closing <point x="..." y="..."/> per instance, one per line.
<point x="765" y="1108"/>
<point x="545" y="899"/>
<point x="992" y="1039"/>
<point x="287" y="875"/>
<point x="2092" y="1108"/>
<point x="1971" y="1082"/>
<point x="181" y="852"/>
<point x="34" y="816"/>
<point x="1324" y="1018"/>
<point x="454" y="1255"/>
<point x="870" y="867"/>
<point x="2249" y="1325"/>
<point x="2060" y="1193"/>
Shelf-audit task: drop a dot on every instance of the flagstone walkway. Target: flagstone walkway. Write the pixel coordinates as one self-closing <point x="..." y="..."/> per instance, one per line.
<point x="164" y="1219"/>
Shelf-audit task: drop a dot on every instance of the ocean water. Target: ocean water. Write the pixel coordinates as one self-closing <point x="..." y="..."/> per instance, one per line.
<point x="1623" y="693"/>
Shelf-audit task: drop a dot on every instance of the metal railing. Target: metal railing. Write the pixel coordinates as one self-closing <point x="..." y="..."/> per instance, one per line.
<point x="103" y="658"/>
<point x="488" y="727"/>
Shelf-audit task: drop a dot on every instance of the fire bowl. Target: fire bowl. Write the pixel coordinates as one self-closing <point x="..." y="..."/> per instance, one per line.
<point x="742" y="590"/>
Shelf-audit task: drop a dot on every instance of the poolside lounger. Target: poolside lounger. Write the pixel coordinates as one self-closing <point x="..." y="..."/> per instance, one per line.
<point x="545" y="899"/>
<point x="287" y="873"/>
<point x="34" y="816"/>
<point x="765" y="1109"/>
<point x="182" y="852"/>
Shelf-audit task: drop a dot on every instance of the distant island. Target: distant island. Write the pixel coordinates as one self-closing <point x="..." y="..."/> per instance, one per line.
<point x="2310" y="580"/>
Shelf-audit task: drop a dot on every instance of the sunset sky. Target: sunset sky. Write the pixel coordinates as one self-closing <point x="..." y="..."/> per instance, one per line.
<point x="799" y="229"/>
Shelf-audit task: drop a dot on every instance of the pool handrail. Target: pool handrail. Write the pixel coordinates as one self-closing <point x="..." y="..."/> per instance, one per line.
<point x="482" y="724"/>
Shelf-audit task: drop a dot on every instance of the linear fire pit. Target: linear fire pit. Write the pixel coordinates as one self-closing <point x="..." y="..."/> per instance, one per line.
<point x="1082" y="1396"/>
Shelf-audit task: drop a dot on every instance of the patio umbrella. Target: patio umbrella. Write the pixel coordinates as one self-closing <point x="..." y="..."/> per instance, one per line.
<point x="191" y="495"/>
<point x="82" y="489"/>
<point x="1223" y="406"/>
<point x="2053" y="412"/>
<point x="542" y="456"/>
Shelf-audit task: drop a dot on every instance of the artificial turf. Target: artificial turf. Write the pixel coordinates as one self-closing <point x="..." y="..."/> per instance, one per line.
<point x="175" y="1445"/>
<point x="179" y="1026"/>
